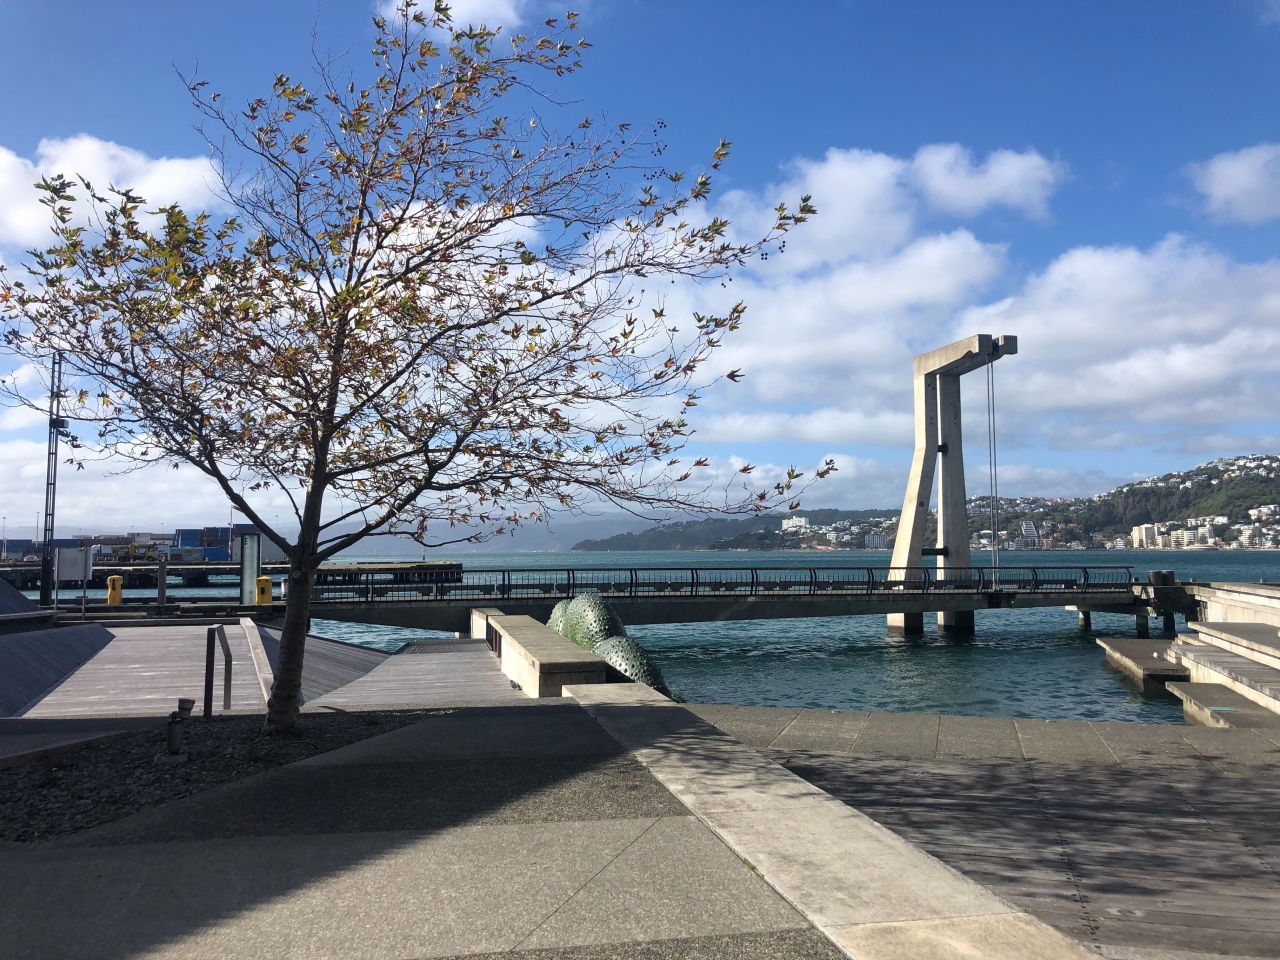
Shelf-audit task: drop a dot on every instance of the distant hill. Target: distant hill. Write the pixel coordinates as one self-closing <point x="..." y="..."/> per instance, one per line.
<point x="1229" y="487"/>
<point x="761" y="531"/>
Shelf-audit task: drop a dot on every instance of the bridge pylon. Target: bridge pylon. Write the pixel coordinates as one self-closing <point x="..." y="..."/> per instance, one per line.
<point x="939" y="434"/>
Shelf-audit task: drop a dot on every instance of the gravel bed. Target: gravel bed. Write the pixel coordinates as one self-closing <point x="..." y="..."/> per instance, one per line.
<point x="111" y="778"/>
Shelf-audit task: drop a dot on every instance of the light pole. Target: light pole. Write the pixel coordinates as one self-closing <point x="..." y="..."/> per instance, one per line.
<point x="4" y="538"/>
<point x="57" y="426"/>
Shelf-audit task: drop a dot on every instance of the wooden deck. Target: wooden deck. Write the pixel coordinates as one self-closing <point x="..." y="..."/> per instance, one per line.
<point x="34" y="662"/>
<point x="455" y="672"/>
<point x="144" y="670"/>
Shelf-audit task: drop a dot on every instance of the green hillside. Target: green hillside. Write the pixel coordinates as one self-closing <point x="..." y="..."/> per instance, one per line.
<point x="762" y="531"/>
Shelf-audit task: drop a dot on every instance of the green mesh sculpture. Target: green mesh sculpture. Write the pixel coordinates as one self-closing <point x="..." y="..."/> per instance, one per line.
<point x="629" y="659"/>
<point x="591" y="623"/>
<point x="588" y="620"/>
<point x="556" y="620"/>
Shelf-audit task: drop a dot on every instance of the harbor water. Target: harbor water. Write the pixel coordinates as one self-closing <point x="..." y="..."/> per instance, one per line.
<point x="1027" y="663"/>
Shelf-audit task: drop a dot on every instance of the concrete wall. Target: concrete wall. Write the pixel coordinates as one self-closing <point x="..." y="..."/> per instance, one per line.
<point x="1239" y="602"/>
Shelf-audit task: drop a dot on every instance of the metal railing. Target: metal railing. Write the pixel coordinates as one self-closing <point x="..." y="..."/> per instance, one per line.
<point x="219" y="634"/>
<point x="677" y="582"/>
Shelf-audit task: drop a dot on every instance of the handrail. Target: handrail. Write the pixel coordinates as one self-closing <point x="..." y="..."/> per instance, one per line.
<point x="725" y="581"/>
<point x="220" y="634"/>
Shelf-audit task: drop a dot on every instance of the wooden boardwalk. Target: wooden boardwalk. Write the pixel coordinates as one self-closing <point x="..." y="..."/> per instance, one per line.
<point x="144" y="670"/>
<point x="1135" y="839"/>
<point x="436" y="673"/>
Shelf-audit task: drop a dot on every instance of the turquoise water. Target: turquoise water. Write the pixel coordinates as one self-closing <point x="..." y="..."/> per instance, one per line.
<point x="1031" y="663"/>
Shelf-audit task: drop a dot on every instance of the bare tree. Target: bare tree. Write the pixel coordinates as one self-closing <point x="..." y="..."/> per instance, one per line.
<point x="429" y="314"/>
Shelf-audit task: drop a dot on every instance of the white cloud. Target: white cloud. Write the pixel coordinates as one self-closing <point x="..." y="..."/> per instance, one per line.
<point x="1243" y="186"/>
<point x="1109" y="337"/>
<point x="864" y="208"/>
<point x="24" y="222"/>
<point x="828" y="425"/>
<point x="948" y="178"/>
<point x="491" y="13"/>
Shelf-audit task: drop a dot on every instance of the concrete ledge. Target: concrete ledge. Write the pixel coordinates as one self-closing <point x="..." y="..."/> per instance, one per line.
<point x="539" y="659"/>
<point x="1145" y="662"/>
<point x="1215" y="705"/>
<point x="258" y="654"/>
<point x="869" y="890"/>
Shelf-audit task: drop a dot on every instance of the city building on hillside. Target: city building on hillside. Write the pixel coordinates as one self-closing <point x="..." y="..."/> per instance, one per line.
<point x="795" y="523"/>
<point x="1144" y="537"/>
<point x="876" y="541"/>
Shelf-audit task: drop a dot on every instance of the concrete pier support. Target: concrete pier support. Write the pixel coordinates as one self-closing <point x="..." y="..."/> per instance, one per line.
<point x="1142" y="629"/>
<point x="1170" y="625"/>
<point x="1086" y="620"/>
<point x="907" y="624"/>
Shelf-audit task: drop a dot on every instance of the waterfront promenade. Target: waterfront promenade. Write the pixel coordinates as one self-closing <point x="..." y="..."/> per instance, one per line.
<point x="636" y="828"/>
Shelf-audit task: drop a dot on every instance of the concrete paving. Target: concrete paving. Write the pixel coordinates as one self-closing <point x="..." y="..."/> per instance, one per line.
<point x="1141" y="841"/>
<point x="516" y="831"/>
<point x="870" y="891"/>
<point x="923" y="736"/>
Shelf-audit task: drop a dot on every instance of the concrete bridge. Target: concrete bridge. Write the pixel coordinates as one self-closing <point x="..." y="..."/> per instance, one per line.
<point x="689" y="594"/>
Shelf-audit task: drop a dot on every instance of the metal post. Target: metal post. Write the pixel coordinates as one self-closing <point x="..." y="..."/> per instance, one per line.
<point x="56" y="425"/>
<point x="210" y="638"/>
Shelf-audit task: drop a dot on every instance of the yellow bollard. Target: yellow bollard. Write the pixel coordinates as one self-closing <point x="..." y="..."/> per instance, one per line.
<point x="115" y="591"/>
<point x="264" y="590"/>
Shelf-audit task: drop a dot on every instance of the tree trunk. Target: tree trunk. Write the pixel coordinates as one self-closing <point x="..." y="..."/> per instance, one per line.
<point x="286" y="688"/>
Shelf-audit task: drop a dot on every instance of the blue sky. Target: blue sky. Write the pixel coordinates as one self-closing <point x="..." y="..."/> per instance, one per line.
<point x="1100" y="178"/>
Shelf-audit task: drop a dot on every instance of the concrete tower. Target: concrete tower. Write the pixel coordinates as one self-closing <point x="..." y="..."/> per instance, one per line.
<point x="939" y="434"/>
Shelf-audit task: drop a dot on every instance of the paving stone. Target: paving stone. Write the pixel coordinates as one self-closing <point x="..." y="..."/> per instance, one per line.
<point x="1147" y="743"/>
<point x="756" y="726"/>
<point x="1015" y="936"/>
<point x="899" y="735"/>
<point x="1061" y="741"/>
<point x="981" y="737"/>
<point x="833" y="731"/>
<point x="710" y="712"/>
<point x="676" y="880"/>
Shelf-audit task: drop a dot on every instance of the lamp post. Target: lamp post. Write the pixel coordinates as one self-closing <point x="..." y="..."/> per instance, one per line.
<point x="57" y="426"/>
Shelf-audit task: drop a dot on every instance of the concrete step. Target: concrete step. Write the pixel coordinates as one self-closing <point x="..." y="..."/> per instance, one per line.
<point x="1215" y="705"/>
<point x="1148" y="663"/>
<point x="1247" y="677"/>
<point x="1257" y="641"/>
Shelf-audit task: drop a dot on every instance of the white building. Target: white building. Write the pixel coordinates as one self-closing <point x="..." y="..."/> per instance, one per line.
<point x="876" y="541"/>
<point x="1144" y="537"/>
<point x="794" y="523"/>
